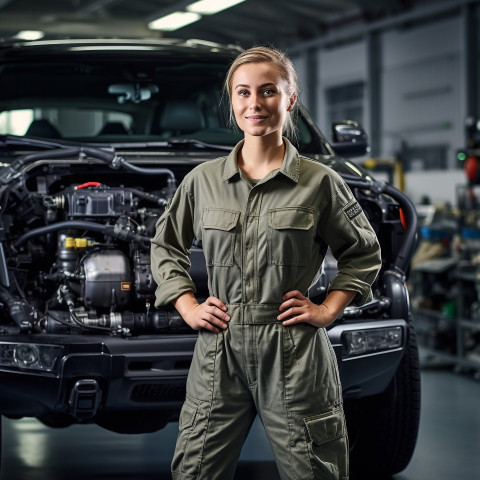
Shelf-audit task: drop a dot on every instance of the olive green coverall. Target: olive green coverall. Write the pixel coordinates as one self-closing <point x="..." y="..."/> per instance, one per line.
<point x="259" y="243"/>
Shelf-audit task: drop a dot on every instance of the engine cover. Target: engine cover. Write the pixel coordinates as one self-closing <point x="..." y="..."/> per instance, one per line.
<point x="107" y="280"/>
<point x="101" y="202"/>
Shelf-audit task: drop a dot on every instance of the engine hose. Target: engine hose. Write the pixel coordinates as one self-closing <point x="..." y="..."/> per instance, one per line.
<point x="405" y="253"/>
<point x="79" y="224"/>
<point x="144" y="171"/>
<point x="80" y="324"/>
<point x="108" y="157"/>
<point x="11" y="172"/>
<point x="147" y="196"/>
<point x="19" y="310"/>
<point x="64" y="152"/>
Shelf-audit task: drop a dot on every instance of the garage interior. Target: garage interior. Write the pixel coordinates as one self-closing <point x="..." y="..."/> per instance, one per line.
<point x="409" y="72"/>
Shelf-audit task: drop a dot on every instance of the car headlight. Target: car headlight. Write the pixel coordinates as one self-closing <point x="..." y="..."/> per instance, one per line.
<point x="31" y="356"/>
<point x="372" y="340"/>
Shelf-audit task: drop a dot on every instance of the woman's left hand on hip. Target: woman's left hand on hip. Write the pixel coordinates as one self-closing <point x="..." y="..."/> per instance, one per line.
<point x="297" y="308"/>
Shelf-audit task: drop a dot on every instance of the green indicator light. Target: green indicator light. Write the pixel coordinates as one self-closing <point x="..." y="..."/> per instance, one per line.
<point x="461" y="156"/>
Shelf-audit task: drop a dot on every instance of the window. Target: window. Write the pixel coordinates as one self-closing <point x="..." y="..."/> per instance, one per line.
<point x="15" y="122"/>
<point x="345" y="102"/>
<point x="429" y="157"/>
<point x="70" y="122"/>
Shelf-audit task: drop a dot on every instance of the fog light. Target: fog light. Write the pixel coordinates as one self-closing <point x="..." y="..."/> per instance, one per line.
<point x="356" y="343"/>
<point x="31" y="356"/>
<point x="372" y="340"/>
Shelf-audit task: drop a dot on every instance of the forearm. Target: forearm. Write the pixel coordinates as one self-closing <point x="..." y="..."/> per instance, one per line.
<point x="185" y="303"/>
<point x="337" y="301"/>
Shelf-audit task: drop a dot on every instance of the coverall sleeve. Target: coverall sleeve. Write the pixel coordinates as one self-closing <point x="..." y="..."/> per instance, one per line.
<point x="353" y="242"/>
<point x="170" y="248"/>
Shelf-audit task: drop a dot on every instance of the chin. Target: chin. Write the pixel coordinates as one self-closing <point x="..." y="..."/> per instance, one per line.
<point x="260" y="132"/>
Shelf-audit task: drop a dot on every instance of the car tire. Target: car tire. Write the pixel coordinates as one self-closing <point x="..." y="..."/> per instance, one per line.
<point x="383" y="429"/>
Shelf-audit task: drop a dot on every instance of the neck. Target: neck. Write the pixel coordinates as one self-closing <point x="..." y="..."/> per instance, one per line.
<point x="261" y="154"/>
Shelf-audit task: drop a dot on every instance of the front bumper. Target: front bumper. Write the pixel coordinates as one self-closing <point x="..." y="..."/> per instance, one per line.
<point x="99" y="373"/>
<point x="371" y="373"/>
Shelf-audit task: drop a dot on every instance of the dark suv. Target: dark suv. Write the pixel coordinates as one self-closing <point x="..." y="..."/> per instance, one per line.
<point x="95" y="136"/>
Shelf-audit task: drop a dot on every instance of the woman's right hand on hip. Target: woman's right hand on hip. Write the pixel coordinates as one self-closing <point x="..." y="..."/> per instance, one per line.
<point x="211" y="314"/>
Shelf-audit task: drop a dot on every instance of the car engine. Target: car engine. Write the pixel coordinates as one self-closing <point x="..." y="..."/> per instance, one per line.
<point x="75" y="258"/>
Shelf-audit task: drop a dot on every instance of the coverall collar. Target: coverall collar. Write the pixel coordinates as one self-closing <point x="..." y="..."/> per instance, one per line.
<point x="290" y="166"/>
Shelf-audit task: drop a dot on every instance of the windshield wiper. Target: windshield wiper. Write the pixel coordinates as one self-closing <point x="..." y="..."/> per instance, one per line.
<point x="197" y="143"/>
<point x="171" y="143"/>
<point x="7" y="140"/>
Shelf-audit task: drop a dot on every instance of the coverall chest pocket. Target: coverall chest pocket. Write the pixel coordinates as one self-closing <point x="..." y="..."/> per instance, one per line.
<point x="219" y="230"/>
<point x="290" y="236"/>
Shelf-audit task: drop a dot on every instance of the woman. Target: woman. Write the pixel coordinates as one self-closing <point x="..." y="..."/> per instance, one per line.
<point x="265" y="217"/>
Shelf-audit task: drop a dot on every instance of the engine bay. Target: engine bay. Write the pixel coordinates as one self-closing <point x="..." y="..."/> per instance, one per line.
<point x="75" y="251"/>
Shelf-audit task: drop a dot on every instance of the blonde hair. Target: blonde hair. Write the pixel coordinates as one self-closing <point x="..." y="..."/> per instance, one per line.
<point x="282" y="63"/>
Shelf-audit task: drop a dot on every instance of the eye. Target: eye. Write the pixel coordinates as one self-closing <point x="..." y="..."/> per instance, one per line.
<point x="269" y="91"/>
<point x="243" y="93"/>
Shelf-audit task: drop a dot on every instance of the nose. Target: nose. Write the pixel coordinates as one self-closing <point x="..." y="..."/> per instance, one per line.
<point x="255" y="103"/>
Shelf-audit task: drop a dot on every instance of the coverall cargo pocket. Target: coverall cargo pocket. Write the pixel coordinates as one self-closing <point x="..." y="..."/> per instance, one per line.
<point x="290" y="236"/>
<point x="328" y="445"/>
<point x="188" y="416"/>
<point x="333" y="360"/>
<point x="201" y="375"/>
<point x="219" y="227"/>
<point x="191" y="432"/>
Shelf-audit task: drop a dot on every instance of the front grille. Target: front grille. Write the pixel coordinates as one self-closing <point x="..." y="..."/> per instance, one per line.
<point x="154" y="392"/>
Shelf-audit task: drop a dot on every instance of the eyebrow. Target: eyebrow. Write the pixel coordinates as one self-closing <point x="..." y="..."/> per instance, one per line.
<point x="248" y="86"/>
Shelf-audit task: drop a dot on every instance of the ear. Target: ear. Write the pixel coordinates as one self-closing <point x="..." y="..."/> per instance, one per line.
<point x="291" y="101"/>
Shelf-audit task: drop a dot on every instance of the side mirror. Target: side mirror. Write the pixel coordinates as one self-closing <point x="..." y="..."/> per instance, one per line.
<point x="349" y="139"/>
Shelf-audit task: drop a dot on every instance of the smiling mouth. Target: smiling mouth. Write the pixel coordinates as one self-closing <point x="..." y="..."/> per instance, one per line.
<point x="256" y="118"/>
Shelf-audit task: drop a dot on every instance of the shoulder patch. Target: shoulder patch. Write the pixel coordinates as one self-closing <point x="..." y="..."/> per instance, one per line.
<point x="352" y="209"/>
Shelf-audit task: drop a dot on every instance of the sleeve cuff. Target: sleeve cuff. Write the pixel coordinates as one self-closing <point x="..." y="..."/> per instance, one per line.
<point x="173" y="288"/>
<point x="363" y="290"/>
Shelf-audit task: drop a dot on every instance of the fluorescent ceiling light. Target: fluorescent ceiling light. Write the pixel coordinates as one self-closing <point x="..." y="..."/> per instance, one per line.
<point x="209" y="7"/>
<point x="29" y="35"/>
<point x="174" y="21"/>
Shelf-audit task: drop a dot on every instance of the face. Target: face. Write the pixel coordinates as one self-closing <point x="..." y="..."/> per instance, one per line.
<point x="259" y="99"/>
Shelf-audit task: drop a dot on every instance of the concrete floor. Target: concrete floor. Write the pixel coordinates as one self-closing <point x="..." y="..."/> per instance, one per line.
<point x="447" y="446"/>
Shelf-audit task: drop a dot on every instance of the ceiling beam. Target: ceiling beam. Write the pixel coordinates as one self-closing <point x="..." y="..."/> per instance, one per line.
<point x="72" y="25"/>
<point x="354" y="31"/>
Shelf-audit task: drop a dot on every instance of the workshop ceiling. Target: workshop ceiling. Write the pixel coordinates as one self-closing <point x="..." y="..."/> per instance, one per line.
<point x="281" y="22"/>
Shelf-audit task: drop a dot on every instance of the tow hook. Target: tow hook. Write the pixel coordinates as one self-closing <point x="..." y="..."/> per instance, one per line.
<point x="85" y="398"/>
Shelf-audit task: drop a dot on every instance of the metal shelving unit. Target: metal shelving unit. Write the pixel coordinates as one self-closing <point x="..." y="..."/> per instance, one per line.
<point x="448" y="287"/>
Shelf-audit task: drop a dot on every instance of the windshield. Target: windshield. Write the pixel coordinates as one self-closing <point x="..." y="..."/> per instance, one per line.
<point x="122" y="99"/>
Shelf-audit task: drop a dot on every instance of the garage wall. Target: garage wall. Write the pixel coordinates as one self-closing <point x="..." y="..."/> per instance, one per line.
<point x="423" y="107"/>
<point x="334" y="68"/>
<point x="422" y="72"/>
<point x="337" y="67"/>
<point x="301" y="66"/>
